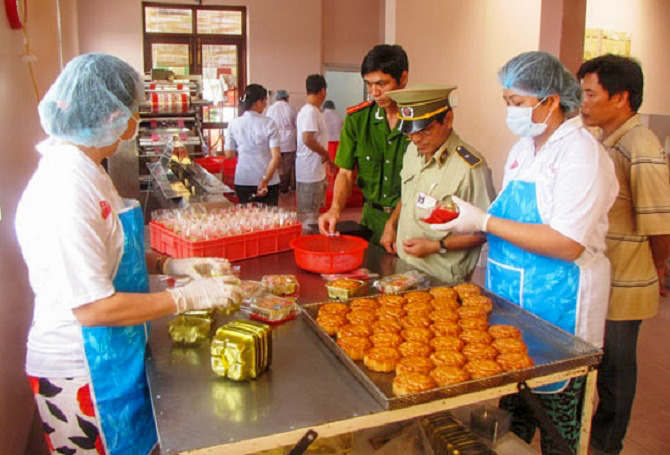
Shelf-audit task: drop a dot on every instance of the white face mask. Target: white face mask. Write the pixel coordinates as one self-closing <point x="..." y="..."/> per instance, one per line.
<point x="123" y="143"/>
<point x="520" y="121"/>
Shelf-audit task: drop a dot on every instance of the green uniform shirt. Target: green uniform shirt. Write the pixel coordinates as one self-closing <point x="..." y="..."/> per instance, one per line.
<point x="370" y="146"/>
<point x="455" y="169"/>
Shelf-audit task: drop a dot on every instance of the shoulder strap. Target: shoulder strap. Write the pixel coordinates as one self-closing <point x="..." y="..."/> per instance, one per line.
<point x="358" y="107"/>
<point x="469" y="158"/>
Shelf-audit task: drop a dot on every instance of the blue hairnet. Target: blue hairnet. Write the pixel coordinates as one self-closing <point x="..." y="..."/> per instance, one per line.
<point x="540" y="74"/>
<point x="91" y="101"/>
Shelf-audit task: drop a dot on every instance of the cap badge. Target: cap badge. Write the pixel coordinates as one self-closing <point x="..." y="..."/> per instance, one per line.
<point x="407" y="112"/>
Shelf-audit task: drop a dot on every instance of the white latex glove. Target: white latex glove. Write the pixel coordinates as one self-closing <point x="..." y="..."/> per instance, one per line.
<point x="206" y="293"/>
<point x="197" y="268"/>
<point x="470" y="219"/>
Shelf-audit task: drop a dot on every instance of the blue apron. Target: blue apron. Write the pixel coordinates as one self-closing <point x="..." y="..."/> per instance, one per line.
<point x="547" y="287"/>
<point x="115" y="356"/>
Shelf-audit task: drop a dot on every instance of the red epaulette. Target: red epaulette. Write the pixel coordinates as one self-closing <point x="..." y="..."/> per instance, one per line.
<point x="358" y="107"/>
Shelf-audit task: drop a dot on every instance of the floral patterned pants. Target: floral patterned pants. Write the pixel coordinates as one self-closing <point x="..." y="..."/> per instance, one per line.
<point x="68" y="415"/>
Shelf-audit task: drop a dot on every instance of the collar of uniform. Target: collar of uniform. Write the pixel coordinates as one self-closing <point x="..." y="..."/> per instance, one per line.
<point x="565" y="128"/>
<point x="628" y="125"/>
<point x="379" y="116"/>
<point x="250" y="112"/>
<point x="442" y="153"/>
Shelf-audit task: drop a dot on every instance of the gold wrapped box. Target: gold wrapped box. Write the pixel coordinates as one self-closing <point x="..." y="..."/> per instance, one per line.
<point x="241" y="350"/>
<point x="190" y="330"/>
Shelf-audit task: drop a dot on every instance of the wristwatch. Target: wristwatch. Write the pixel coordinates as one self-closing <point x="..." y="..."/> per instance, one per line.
<point x="443" y="247"/>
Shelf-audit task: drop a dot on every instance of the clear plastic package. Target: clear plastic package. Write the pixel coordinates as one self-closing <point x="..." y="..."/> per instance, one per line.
<point x="251" y="289"/>
<point x="281" y="284"/>
<point x="271" y="308"/>
<point x="345" y="288"/>
<point x="401" y="282"/>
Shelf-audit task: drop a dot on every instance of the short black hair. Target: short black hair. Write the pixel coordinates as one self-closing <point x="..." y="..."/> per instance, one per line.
<point x="389" y="59"/>
<point x="315" y="83"/>
<point x="617" y="74"/>
<point x="253" y="93"/>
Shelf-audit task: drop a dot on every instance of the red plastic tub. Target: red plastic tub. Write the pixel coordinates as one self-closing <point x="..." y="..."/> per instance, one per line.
<point x="323" y="254"/>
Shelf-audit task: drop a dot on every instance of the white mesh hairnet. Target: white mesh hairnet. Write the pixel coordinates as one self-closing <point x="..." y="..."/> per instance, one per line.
<point x="540" y="74"/>
<point x="91" y="101"/>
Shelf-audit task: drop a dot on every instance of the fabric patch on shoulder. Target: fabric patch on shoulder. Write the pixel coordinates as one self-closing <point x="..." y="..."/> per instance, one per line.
<point x="469" y="158"/>
<point x="105" y="209"/>
<point x="358" y="107"/>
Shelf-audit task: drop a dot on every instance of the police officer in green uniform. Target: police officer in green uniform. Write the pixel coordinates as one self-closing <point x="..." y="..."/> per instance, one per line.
<point x="371" y="144"/>
<point x="436" y="166"/>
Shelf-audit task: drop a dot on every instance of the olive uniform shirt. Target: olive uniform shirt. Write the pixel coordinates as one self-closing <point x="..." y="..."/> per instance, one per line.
<point x="368" y="144"/>
<point x="454" y="169"/>
<point x="641" y="209"/>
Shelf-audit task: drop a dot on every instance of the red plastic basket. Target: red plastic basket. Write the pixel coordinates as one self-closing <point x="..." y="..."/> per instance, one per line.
<point x="323" y="254"/>
<point x="233" y="248"/>
<point x="216" y="164"/>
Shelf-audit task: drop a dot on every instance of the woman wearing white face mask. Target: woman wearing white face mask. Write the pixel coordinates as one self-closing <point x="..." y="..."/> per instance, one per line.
<point x="546" y="229"/>
<point x="84" y="248"/>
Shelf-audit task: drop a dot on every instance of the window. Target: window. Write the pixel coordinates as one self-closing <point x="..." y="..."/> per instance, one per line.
<point x="205" y="40"/>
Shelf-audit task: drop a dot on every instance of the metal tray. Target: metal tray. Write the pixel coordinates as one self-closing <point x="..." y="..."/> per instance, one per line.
<point x="553" y="350"/>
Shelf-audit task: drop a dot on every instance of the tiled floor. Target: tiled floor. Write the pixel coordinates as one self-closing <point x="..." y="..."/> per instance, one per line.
<point x="648" y="432"/>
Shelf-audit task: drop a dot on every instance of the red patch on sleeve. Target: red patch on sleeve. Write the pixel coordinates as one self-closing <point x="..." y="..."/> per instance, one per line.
<point x="105" y="209"/>
<point x="85" y="402"/>
<point x="514" y="165"/>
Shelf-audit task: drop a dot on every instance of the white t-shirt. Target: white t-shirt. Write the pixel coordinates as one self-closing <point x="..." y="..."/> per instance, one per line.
<point x="284" y="117"/>
<point x="72" y="241"/>
<point x="576" y="185"/>
<point x="333" y="124"/>
<point x="308" y="165"/>
<point x="252" y="136"/>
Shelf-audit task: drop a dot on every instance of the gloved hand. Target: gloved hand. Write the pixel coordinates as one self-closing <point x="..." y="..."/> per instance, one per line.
<point x="197" y="268"/>
<point x="205" y="293"/>
<point x="470" y="219"/>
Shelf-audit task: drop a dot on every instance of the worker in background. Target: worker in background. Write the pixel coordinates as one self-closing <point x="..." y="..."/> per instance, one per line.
<point x="333" y="121"/>
<point x="546" y="229"/>
<point x="285" y="116"/>
<point x="255" y="139"/>
<point x="312" y="159"/>
<point x="372" y="144"/>
<point x="638" y="240"/>
<point x="84" y="248"/>
<point x="437" y="165"/>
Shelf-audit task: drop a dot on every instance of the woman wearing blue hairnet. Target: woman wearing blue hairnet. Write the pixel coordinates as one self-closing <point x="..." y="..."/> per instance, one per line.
<point x="546" y="229"/>
<point x="84" y="248"/>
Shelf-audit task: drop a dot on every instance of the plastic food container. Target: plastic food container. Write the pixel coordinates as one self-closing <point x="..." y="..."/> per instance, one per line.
<point x="251" y="288"/>
<point x="281" y="284"/>
<point x="271" y="308"/>
<point x="324" y="254"/>
<point x="401" y="282"/>
<point x="344" y="288"/>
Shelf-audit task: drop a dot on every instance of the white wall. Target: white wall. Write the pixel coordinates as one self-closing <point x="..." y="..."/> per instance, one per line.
<point x="465" y="43"/>
<point x="648" y="22"/>
<point x="19" y="132"/>
<point x="283" y="47"/>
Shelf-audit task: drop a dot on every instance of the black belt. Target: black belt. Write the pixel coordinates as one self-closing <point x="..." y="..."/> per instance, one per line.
<point x="381" y="208"/>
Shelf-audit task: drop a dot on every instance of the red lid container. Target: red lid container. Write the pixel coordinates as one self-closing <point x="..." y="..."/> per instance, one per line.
<point x="323" y="254"/>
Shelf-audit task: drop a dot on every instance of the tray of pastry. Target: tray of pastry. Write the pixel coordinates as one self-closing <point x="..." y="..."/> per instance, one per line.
<point x="432" y="343"/>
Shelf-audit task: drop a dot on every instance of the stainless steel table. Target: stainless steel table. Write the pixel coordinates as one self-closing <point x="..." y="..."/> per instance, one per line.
<point x="306" y="388"/>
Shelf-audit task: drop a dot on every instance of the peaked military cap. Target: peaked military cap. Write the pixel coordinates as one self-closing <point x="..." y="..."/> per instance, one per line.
<point x="418" y="105"/>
